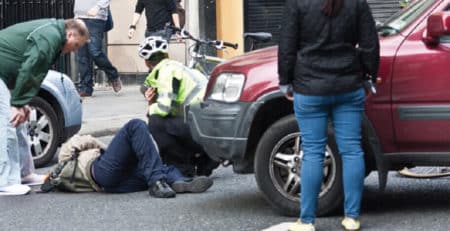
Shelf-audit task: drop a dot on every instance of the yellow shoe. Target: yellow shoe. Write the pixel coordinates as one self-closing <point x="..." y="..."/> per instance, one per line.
<point x="299" y="226"/>
<point x="351" y="224"/>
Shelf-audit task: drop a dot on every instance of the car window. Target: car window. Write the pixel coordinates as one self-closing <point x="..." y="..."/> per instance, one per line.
<point x="404" y="18"/>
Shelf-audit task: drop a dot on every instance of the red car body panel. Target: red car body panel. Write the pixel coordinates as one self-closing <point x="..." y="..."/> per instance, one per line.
<point x="261" y="65"/>
<point x="412" y="75"/>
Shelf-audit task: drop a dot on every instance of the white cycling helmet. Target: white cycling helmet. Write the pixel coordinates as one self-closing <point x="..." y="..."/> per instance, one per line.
<point x="152" y="45"/>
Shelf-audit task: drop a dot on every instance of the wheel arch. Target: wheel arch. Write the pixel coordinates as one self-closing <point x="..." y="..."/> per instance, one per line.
<point x="268" y="113"/>
<point x="374" y="153"/>
<point x="47" y="96"/>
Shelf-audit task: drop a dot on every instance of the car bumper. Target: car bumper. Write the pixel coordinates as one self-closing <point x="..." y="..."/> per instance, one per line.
<point x="222" y="129"/>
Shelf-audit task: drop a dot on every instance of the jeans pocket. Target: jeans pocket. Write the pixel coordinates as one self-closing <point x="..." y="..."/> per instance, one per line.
<point x="308" y="104"/>
<point x="358" y="97"/>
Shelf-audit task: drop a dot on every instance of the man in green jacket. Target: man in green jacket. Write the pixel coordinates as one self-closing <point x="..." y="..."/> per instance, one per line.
<point x="172" y="88"/>
<point x="27" y="51"/>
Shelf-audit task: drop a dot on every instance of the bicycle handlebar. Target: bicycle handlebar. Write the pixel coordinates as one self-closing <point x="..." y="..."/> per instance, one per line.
<point x="219" y="44"/>
<point x="226" y="44"/>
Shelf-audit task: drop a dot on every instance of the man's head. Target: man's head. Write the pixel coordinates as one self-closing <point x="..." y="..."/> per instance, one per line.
<point x="77" y="35"/>
<point x="153" y="49"/>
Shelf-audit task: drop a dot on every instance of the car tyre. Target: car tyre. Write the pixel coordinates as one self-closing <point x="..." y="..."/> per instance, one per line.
<point x="277" y="167"/>
<point x="42" y="131"/>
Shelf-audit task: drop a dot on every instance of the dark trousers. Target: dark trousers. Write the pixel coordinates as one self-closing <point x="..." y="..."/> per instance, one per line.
<point x="93" y="52"/>
<point x="131" y="162"/>
<point x="165" y="34"/>
<point x="177" y="146"/>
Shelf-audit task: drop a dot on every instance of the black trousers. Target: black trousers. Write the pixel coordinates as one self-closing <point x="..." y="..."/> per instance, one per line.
<point x="177" y="147"/>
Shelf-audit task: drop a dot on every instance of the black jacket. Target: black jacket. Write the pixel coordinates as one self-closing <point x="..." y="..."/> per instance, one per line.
<point x="322" y="55"/>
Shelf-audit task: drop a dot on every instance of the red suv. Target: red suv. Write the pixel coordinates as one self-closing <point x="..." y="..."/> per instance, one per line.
<point x="245" y="119"/>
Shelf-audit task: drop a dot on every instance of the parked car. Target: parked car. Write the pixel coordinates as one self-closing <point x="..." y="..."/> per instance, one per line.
<point x="245" y="119"/>
<point x="55" y="116"/>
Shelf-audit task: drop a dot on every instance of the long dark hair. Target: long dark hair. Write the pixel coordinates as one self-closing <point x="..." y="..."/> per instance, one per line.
<point x="331" y="7"/>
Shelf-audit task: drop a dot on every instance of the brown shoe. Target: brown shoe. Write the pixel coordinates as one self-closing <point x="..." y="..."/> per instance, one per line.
<point x="116" y="85"/>
<point x="84" y="94"/>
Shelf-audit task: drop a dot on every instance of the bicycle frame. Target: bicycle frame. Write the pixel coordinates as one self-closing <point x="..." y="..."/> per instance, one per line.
<point x="197" y="57"/>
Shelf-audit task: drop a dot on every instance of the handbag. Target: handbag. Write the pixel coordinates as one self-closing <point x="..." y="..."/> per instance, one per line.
<point x="109" y="22"/>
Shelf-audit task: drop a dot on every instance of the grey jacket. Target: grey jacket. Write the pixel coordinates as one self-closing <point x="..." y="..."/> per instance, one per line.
<point x="81" y="8"/>
<point x="321" y="55"/>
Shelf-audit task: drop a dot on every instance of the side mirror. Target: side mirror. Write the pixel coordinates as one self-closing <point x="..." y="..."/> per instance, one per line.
<point x="438" y="24"/>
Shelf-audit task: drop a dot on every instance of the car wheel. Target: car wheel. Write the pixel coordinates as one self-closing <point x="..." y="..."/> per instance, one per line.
<point x="42" y="130"/>
<point x="277" y="169"/>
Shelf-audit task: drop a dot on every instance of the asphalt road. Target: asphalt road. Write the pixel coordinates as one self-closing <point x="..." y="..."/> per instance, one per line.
<point x="233" y="203"/>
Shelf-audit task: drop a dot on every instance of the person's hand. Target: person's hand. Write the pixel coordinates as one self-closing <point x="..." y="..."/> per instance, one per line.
<point x="287" y="91"/>
<point x="289" y="96"/>
<point x="150" y="95"/>
<point x="131" y="33"/>
<point x="93" y="11"/>
<point x="17" y="116"/>
<point x="26" y="110"/>
<point x="179" y="37"/>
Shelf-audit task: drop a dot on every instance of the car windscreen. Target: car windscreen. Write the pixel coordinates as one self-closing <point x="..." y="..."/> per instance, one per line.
<point x="399" y="21"/>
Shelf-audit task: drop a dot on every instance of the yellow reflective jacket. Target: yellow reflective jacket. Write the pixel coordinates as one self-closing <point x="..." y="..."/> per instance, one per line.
<point x="176" y="86"/>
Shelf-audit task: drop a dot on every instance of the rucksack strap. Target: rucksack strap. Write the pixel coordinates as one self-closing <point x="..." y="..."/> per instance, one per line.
<point x="49" y="183"/>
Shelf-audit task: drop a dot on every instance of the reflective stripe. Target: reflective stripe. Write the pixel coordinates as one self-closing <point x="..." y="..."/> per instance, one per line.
<point x="164" y="108"/>
<point x="199" y="82"/>
<point x="192" y="94"/>
<point x="168" y="95"/>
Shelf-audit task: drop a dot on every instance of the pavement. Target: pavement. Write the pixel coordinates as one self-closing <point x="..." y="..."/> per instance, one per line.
<point x="106" y="111"/>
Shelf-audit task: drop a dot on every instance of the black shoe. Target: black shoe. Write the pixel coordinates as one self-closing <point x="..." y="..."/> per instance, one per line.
<point x="207" y="169"/>
<point x="161" y="189"/>
<point x="196" y="185"/>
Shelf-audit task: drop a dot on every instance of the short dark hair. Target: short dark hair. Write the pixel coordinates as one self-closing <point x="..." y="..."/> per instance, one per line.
<point x="157" y="57"/>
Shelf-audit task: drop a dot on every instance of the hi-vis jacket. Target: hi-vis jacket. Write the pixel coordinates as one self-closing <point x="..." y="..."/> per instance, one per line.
<point x="177" y="86"/>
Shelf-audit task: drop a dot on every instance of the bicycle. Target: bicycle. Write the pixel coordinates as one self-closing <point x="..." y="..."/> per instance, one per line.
<point x="198" y="59"/>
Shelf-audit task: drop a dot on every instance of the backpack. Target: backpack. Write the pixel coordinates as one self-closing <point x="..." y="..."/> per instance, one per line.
<point x="72" y="173"/>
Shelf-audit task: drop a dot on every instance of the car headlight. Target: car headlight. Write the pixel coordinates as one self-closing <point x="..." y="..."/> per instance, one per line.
<point x="228" y="87"/>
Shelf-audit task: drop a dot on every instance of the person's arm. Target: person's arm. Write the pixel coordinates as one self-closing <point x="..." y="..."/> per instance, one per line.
<point x="136" y="16"/>
<point x="134" y="22"/>
<point x="38" y="59"/>
<point x="165" y="93"/>
<point x="287" y="48"/>
<point x="368" y="44"/>
<point x="176" y="20"/>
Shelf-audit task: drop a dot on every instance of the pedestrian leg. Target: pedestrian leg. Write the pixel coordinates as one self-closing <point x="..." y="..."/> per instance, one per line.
<point x="312" y="117"/>
<point x="346" y="117"/>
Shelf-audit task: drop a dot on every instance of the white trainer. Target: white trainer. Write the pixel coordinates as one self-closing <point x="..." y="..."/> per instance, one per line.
<point x="15" y="189"/>
<point x="33" y="179"/>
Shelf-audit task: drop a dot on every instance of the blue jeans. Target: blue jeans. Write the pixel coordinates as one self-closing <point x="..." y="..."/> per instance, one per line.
<point x="131" y="162"/>
<point x="345" y="112"/>
<point x="93" y="52"/>
<point x="9" y="155"/>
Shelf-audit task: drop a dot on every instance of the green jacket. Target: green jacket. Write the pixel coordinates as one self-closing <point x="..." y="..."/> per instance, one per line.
<point x="27" y="51"/>
<point x="176" y="86"/>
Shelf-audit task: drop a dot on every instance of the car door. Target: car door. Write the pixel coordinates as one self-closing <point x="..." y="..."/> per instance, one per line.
<point x="421" y="93"/>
